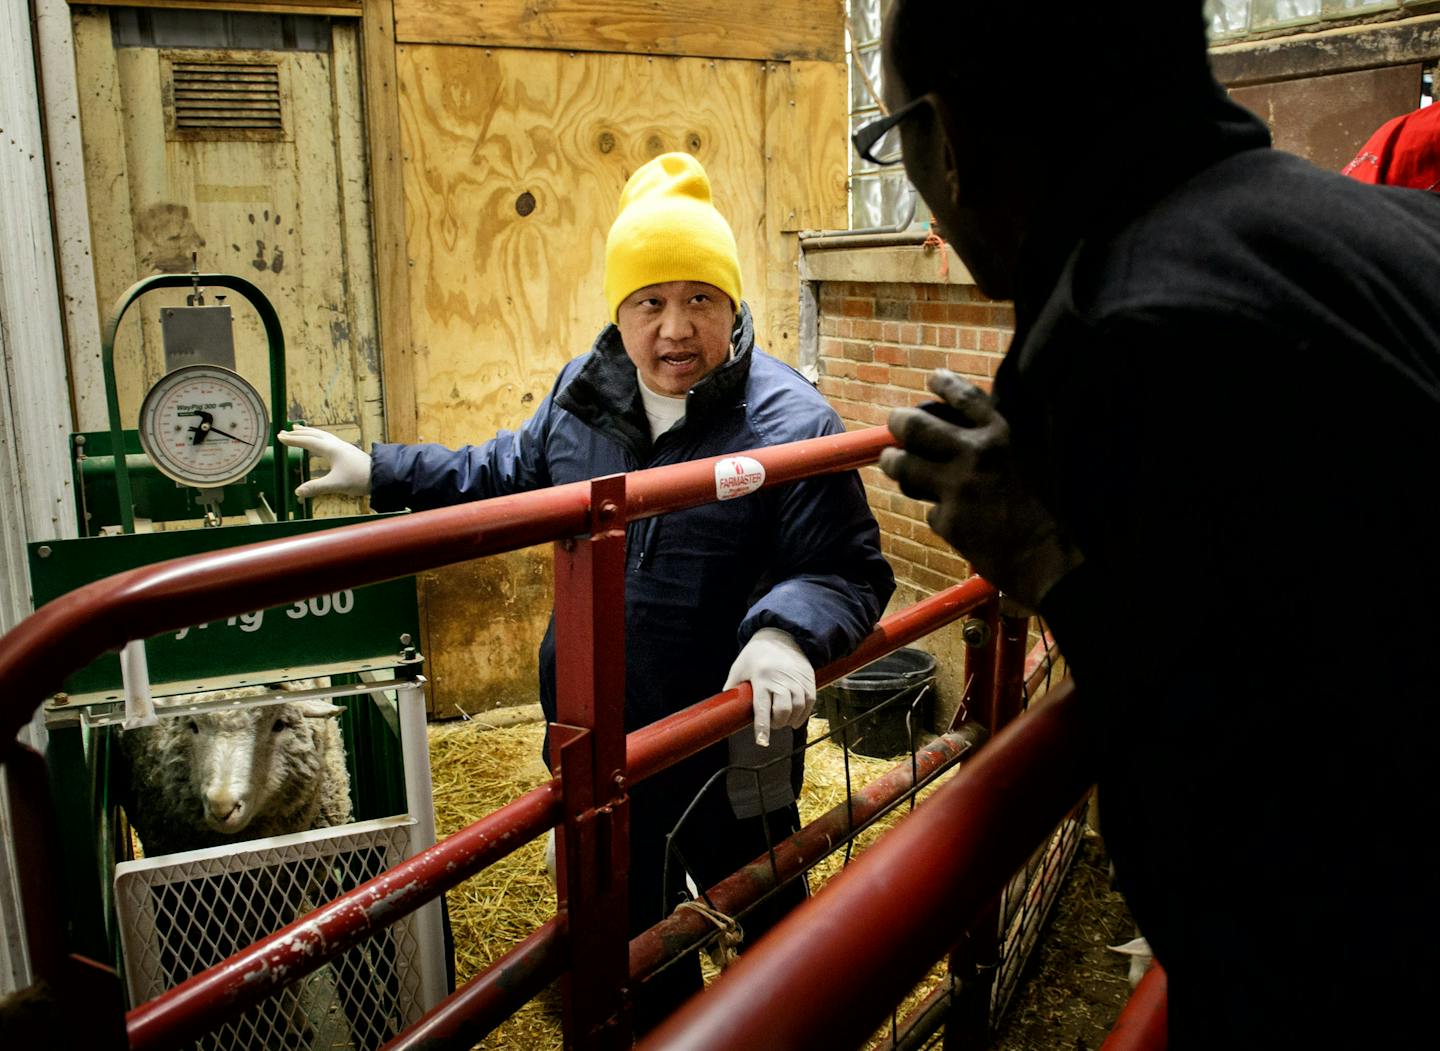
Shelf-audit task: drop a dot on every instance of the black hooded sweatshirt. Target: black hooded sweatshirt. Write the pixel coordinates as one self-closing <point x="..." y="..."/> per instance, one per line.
<point x="1225" y="382"/>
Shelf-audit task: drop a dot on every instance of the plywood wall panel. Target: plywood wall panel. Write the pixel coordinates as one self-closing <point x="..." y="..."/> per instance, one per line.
<point x="500" y="300"/>
<point x="806" y="149"/>
<point x="753" y="29"/>
<point x="805" y="175"/>
<point x="514" y="164"/>
<point x="483" y="625"/>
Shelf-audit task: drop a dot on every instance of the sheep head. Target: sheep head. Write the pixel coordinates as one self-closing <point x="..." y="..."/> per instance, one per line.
<point x="242" y="770"/>
<point x="253" y="761"/>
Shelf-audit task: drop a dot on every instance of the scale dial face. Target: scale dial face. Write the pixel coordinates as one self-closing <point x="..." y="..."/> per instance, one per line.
<point x="204" y="425"/>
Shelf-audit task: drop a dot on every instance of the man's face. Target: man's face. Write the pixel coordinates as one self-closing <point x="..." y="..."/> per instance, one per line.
<point x="676" y="333"/>
<point x="975" y="219"/>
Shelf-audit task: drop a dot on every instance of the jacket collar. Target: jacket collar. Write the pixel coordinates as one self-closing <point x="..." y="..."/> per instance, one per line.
<point x="605" y="393"/>
<point x="1101" y="198"/>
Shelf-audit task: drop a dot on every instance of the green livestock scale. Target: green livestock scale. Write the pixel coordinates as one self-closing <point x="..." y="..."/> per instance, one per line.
<point x="202" y="471"/>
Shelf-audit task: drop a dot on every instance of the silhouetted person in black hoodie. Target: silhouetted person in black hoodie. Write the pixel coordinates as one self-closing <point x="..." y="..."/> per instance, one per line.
<point x="1208" y="463"/>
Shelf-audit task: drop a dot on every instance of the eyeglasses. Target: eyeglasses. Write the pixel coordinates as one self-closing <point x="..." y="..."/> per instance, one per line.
<point x="868" y="136"/>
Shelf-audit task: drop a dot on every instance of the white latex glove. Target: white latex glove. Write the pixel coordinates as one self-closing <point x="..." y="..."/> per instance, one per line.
<point x="781" y="678"/>
<point x="349" y="467"/>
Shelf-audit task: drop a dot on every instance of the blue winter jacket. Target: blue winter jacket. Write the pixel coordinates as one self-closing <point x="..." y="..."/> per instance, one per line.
<point x="803" y="557"/>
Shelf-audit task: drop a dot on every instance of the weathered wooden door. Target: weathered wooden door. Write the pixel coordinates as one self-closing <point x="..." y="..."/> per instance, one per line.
<point x="240" y="139"/>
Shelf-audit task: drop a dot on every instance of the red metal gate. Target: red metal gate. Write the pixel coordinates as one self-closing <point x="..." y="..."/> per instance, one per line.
<point x="971" y="836"/>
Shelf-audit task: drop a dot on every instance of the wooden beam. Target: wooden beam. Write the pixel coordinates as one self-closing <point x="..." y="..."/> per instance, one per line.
<point x="1394" y="43"/>
<point x="753" y="29"/>
<point x="387" y="196"/>
<point x="805" y="183"/>
<point x="353" y="158"/>
<point x="333" y="8"/>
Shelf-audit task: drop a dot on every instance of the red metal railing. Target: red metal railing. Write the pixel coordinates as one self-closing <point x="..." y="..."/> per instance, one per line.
<point x="73" y="630"/>
<point x="1141" y="1025"/>
<point x="589" y="803"/>
<point x="308" y="943"/>
<point x="473" y="1010"/>
<point x="825" y="977"/>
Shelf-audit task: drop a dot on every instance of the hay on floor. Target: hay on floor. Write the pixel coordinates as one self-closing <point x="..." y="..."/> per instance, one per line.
<point x="477" y="769"/>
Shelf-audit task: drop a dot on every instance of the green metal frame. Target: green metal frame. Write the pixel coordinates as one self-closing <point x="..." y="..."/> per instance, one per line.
<point x="153" y="495"/>
<point x="368" y="634"/>
<point x="365" y="626"/>
<point x="284" y="498"/>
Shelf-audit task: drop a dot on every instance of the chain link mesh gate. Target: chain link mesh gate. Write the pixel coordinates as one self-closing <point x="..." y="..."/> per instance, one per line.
<point x="182" y="913"/>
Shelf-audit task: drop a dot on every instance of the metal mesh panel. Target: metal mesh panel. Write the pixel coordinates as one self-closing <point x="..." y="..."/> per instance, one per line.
<point x="1027" y="902"/>
<point x="182" y="913"/>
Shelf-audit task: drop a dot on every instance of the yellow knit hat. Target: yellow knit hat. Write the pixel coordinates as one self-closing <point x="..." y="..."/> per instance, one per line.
<point x="668" y="230"/>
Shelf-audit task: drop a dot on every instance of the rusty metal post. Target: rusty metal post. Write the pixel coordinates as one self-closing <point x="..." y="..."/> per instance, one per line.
<point x="994" y="671"/>
<point x="979" y="631"/>
<point x="1009" y="697"/>
<point x="587" y="743"/>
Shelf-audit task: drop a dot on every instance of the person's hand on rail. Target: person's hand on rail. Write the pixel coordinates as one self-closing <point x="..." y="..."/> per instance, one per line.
<point x="349" y="467"/>
<point x="781" y="679"/>
<point x="957" y="454"/>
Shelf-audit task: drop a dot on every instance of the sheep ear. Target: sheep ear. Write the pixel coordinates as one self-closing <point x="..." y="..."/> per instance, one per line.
<point x="319" y="709"/>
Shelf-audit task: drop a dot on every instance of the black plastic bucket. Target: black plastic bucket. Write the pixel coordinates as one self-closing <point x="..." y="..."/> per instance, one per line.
<point x="877" y="728"/>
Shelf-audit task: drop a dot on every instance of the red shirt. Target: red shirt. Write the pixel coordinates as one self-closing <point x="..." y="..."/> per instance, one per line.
<point x="1403" y="152"/>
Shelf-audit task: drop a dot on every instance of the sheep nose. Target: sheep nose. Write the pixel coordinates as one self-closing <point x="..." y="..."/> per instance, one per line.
<point x="223" y="809"/>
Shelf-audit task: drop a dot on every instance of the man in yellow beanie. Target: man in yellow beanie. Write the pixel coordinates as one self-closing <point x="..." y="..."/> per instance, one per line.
<point x="761" y="589"/>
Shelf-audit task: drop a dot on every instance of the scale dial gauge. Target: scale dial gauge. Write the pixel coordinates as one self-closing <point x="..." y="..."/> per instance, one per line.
<point x="204" y="425"/>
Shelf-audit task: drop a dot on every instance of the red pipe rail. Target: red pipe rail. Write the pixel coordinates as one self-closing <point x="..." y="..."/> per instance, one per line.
<point x="655" y="746"/>
<point x="73" y="630"/>
<point x="1142" y="1025"/>
<point x="249" y="976"/>
<point x="469" y="1014"/>
<point x="871" y="933"/>
<point x="684" y="929"/>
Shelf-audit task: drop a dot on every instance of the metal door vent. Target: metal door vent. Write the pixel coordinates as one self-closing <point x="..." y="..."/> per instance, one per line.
<point x="225" y="100"/>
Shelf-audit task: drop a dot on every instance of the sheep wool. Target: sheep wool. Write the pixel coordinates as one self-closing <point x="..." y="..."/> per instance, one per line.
<point x="219" y="777"/>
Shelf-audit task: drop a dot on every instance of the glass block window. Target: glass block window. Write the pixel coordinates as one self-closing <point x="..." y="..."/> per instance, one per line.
<point x="883" y="198"/>
<point x="1236" y="18"/>
<point x="879" y="197"/>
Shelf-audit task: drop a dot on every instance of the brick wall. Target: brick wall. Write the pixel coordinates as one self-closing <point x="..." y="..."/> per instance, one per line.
<point x="878" y="343"/>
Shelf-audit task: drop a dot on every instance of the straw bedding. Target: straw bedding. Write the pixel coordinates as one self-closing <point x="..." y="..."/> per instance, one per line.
<point x="477" y="769"/>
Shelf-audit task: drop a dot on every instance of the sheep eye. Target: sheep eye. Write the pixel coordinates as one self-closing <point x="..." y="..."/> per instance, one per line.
<point x="194" y="726"/>
<point x="279" y="725"/>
